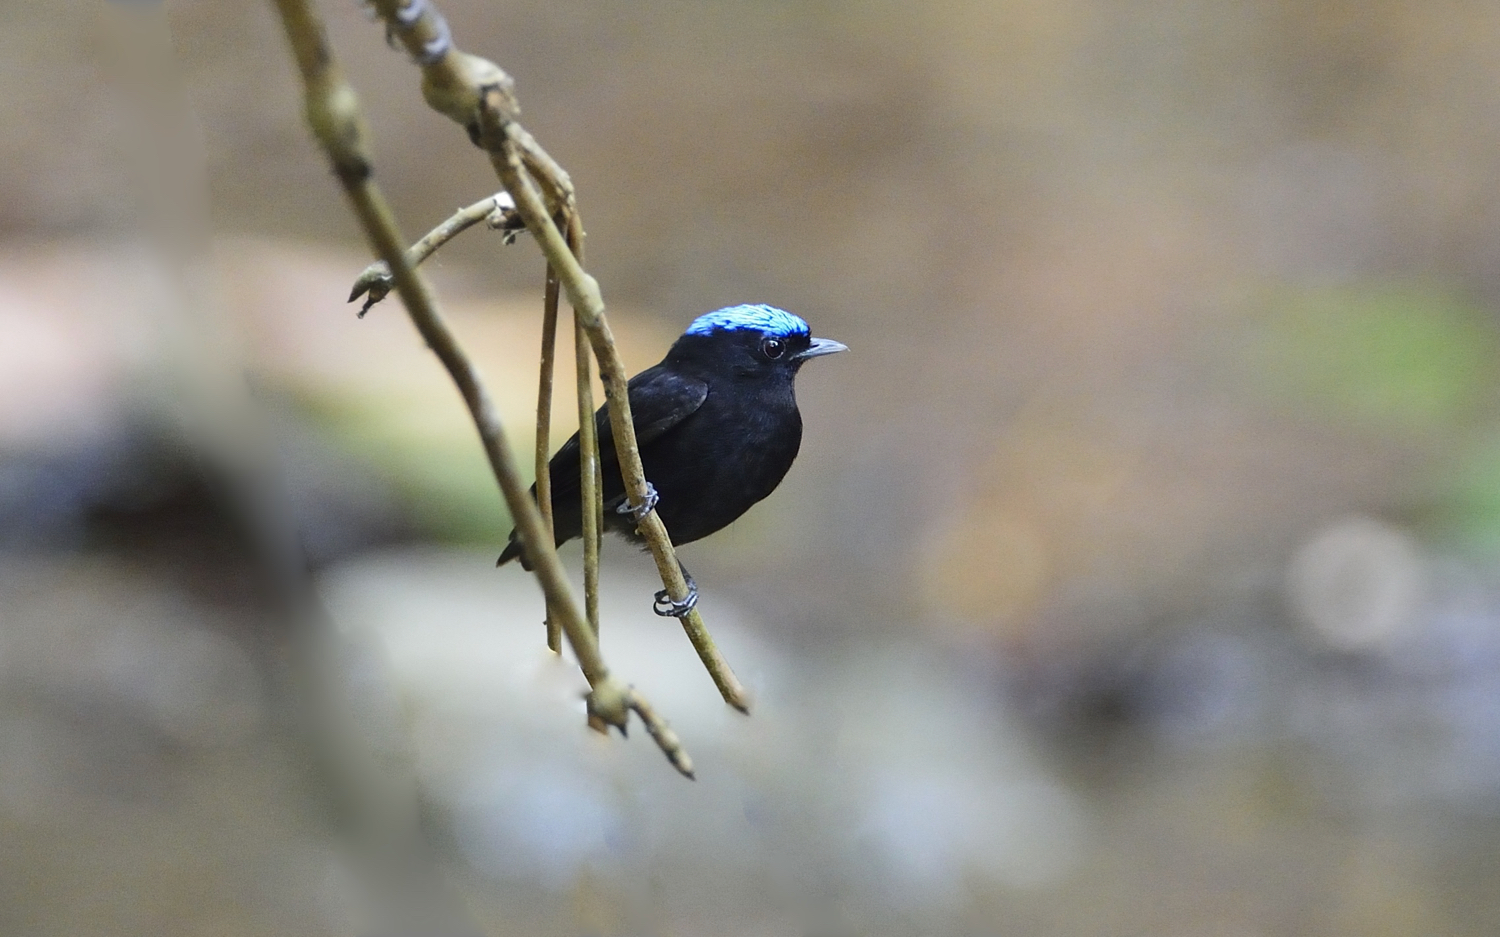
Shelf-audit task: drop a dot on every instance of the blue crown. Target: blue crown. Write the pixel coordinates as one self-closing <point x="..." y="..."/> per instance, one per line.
<point x="761" y="318"/>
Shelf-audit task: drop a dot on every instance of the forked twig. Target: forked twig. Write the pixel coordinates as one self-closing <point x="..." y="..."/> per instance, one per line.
<point x="481" y="97"/>
<point x="498" y="211"/>
<point x="333" y="112"/>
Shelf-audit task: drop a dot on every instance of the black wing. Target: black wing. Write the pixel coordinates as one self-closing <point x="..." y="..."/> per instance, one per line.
<point x="659" y="400"/>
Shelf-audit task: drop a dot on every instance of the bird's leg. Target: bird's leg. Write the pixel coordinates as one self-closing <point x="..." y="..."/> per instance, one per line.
<point x="667" y="608"/>
<point x="639" y="514"/>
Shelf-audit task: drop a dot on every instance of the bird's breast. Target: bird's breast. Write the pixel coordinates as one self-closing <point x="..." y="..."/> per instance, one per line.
<point x="755" y="440"/>
<point x="732" y="452"/>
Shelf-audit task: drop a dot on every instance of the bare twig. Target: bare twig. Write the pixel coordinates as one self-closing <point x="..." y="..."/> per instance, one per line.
<point x="333" y="112"/>
<point x="498" y="212"/>
<point x="556" y="184"/>
<point x="481" y="97"/>
<point x="658" y="729"/>
<point x="544" y="432"/>
<point x="591" y="496"/>
<point x="588" y="306"/>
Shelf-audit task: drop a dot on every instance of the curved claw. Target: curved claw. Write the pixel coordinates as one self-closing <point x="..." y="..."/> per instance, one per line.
<point x="664" y="606"/>
<point x="639" y="514"/>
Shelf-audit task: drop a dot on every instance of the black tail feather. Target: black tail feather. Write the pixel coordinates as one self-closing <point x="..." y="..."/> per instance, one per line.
<point x="513" y="551"/>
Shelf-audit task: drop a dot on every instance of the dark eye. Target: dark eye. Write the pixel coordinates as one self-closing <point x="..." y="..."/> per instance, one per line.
<point x="773" y="348"/>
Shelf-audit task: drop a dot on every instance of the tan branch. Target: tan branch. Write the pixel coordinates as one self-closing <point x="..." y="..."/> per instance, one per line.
<point x="588" y="306"/>
<point x="657" y="727"/>
<point x="481" y="97"/>
<point x="497" y="211"/>
<point x="334" y="115"/>
<point x="591" y="496"/>
<point x="544" y="433"/>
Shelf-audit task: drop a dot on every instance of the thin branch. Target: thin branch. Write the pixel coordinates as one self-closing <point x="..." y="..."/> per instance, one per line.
<point x="481" y="97"/>
<point x="455" y="83"/>
<point x="332" y="110"/>
<point x="588" y="306"/>
<point x="591" y="496"/>
<point x="556" y="184"/>
<point x="658" y="729"/>
<point x="544" y="432"/>
<point x="499" y="211"/>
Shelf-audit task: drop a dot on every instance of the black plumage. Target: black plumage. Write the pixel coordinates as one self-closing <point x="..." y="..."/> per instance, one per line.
<point x="716" y="422"/>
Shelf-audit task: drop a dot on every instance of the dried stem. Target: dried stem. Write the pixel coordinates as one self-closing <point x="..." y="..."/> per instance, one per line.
<point x="481" y="97"/>
<point x="544" y="433"/>
<point x="333" y="112"/>
<point x="588" y="308"/>
<point x="376" y="280"/>
<point x="588" y="475"/>
<point x="657" y="727"/>
<point x="556" y="184"/>
<point x="591" y="495"/>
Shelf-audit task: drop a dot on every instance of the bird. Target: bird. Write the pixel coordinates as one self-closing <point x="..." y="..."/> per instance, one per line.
<point x="717" y="425"/>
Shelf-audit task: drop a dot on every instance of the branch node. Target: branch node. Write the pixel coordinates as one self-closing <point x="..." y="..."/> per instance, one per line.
<point x="333" y="113"/>
<point x="609" y="704"/>
<point x="374" y="284"/>
<point x="453" y="82"/>
<point x="583" y="295"/>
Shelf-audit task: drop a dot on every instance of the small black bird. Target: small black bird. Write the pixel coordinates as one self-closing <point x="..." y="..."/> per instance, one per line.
<point x="717" y="425"/>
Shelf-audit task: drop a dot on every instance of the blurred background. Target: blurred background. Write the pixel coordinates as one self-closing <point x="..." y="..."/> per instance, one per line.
<point x="1138" y="574"/>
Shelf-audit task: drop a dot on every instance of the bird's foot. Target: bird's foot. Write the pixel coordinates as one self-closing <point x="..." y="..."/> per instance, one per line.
<point x="666" y="607"/>
<point x="638" y="514"/>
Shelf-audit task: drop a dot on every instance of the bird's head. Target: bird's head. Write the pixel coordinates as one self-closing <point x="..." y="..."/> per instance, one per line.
<point x="750" y="341"/>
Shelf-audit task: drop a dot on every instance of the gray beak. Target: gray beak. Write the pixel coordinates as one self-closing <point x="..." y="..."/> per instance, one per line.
<point x="820" y="347"/>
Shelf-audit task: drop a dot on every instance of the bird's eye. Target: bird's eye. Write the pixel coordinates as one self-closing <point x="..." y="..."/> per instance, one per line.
<point x="773" y="348"/>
